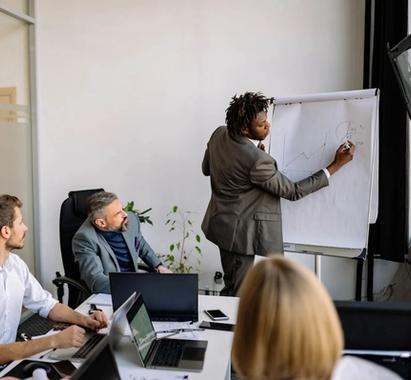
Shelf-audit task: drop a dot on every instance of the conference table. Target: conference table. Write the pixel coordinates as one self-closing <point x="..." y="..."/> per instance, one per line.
<point x="217" y="364"/>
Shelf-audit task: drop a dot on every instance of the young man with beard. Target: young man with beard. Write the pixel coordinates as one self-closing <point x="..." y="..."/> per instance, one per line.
<point x="19" y="288"/>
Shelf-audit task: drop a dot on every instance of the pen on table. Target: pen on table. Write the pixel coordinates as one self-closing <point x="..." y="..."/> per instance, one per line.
<point x="178" y="330"/>
<point x="93" y="308"/>
<point x="47" y="352"/>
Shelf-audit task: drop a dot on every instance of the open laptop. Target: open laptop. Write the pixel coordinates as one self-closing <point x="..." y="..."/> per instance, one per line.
<point x="117" y="329"/>
<point x="168" y="296"/>
<point x="175" y="354"/>
<point x="379" y="332"/>
<point x="100" y="364"/>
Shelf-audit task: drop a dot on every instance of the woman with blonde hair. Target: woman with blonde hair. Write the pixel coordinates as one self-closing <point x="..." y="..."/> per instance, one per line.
<point x="288" y="328"/>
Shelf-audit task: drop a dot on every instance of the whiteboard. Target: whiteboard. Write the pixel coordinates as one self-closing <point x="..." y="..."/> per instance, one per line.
<point x="306" y="132"/>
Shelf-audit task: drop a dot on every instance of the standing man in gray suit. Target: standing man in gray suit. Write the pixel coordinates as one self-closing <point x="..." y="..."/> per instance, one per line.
<point x="110" y="240"/>
<point x="243" y="217"/>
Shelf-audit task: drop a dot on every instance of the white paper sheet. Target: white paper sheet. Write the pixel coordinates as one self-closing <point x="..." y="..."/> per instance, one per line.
<point x="304" y="139"/>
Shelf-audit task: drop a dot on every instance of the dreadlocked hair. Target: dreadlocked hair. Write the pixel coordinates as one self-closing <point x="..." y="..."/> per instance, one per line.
<point x="243" y="109"/>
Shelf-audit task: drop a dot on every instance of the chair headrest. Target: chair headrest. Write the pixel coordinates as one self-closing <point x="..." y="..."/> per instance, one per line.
<point x="80" y="201"/>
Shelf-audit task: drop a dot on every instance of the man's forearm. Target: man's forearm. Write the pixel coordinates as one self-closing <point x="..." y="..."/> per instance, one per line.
<point x="19" y="350"/>
<point x="63" y="313"/>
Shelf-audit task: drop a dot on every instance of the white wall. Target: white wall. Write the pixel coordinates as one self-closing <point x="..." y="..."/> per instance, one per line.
<point x="130" y="91"/>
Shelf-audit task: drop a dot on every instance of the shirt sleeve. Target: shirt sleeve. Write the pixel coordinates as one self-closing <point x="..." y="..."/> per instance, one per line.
<point x="327" y="173"/>
<point x="36" y="298"/>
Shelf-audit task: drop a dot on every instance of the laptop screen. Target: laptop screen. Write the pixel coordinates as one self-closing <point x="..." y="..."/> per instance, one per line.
<point x="141" y="327"/>
<point x="172" y="297"/>
<point x="375" y="325"/>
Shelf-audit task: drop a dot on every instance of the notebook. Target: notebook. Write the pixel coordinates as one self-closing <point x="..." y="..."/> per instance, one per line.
<point x="168" y="297"/>
<point x="175" y="354"/>
<point x="118" y="328"/>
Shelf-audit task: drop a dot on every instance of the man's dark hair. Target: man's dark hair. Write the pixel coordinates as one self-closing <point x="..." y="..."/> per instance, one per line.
<point x="243" y="109"/>
<point x="7" y="205"/>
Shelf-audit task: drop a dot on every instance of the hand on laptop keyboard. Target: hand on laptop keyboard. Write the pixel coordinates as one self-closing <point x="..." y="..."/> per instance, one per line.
<point x="73" y="336"/>
<point x="96" y="321"/>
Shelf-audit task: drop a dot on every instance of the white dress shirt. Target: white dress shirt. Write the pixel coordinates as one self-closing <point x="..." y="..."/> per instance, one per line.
<point x="18" y="288"/>
<point x="353" y="368"/>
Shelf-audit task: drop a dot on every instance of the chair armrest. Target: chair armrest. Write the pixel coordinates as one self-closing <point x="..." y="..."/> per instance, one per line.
<point x="69" y="281"/>
<point x="60" y="281"/>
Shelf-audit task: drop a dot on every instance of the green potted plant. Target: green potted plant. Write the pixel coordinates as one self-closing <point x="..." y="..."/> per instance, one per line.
<point x="141" y="215"/>
<point x="184" y="252"/>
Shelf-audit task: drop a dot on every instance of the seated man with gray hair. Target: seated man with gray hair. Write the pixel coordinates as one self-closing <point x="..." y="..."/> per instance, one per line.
<point x="110" y="240"/>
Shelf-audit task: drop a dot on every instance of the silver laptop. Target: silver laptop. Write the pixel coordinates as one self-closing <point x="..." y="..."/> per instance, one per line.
<point x="118" y="328"/>
<point x="177" y="354"/>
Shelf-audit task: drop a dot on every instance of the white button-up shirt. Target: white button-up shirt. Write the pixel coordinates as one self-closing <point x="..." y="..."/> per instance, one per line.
<point x="18" y="288"/>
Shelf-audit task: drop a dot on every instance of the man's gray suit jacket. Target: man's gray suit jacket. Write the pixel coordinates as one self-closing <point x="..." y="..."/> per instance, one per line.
<point x="244" y="213"/>
<point x="96" y="258"/>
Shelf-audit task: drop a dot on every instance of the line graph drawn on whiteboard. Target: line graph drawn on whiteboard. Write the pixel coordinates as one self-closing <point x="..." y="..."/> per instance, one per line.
<point x="299" y="164"/>
<point x="304" y="163"/>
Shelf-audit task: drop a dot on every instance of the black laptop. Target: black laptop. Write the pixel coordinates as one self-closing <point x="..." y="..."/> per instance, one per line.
<point x="168" y="296"/>
<point x="163" y="353"/>
<point x="379" y="332"/>
<point x="101" y="364"/>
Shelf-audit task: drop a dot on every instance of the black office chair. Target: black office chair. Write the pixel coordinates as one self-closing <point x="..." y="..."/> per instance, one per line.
<point x="73" y="213"/>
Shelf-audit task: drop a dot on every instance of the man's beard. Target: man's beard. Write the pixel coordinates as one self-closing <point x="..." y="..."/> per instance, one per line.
<point x="12" y="246"/>
<point x="123" y="226"/>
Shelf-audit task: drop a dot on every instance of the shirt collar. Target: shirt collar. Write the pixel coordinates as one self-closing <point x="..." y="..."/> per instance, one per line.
<point x="255" y="142"/>
<point x="7" y="264"/>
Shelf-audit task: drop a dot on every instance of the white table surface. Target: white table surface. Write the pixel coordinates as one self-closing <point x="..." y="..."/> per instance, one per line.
<point x="217" y="364"/>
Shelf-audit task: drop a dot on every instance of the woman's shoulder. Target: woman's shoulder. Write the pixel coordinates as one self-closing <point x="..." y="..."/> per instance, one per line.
<point x="353" y="368"/>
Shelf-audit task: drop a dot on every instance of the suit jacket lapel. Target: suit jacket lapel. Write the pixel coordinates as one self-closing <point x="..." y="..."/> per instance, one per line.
<point x="129" y="238"/>
<point x="109" y="250"/>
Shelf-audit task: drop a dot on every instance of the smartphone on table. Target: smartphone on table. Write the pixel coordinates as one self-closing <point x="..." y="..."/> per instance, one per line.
<point x="216" y="314"/>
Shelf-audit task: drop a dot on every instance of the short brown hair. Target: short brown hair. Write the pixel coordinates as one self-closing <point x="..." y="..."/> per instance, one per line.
<point x="287" y="326"/>
<point x="7" y="205"/>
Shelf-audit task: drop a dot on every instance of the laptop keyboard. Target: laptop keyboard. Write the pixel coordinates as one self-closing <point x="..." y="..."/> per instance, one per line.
<point x="88" y="346"/>
<point x="33" y="326"/>
<point x="168" y="353"/>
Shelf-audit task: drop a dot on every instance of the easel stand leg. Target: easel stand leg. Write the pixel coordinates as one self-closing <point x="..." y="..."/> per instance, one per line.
<point x="358" y="282"/>
<point x="370" y="277"/>
<point x="317" y="266"/>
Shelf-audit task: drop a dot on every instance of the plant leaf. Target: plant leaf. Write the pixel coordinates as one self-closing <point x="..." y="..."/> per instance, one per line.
<point x="175" y="208"/>
<point x="198" y="249"/>
<point x="171" y="247"/>
<point x="198" y="238"/>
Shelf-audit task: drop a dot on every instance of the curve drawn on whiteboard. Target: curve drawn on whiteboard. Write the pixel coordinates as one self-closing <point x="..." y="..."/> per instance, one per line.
<point x="306" y="163"/>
